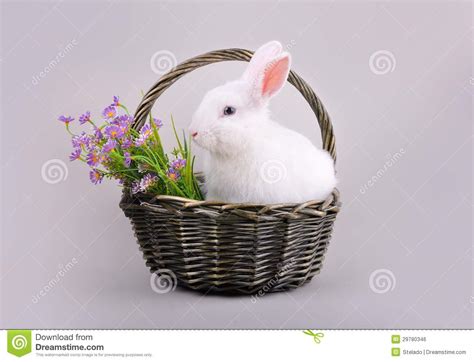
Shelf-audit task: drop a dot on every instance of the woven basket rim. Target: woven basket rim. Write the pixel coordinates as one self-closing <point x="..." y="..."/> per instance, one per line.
<point x="187" y="203"/>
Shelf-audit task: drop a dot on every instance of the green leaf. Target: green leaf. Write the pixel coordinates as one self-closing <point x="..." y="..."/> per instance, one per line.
<point x="176" y="135"/>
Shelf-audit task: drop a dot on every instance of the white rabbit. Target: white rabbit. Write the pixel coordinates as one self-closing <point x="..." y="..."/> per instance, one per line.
<point x="251" y="158"/>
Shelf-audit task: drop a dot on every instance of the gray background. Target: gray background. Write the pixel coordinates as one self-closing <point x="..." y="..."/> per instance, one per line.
<point x="414" y="220"/>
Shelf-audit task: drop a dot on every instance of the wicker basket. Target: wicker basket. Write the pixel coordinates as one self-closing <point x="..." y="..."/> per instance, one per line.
<point x="236" y="248"/>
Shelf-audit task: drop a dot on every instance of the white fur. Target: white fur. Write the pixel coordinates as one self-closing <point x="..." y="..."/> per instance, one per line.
<point x="251" y="158"/>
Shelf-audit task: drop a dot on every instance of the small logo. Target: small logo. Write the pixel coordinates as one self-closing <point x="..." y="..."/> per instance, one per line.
<point x="382" y="62"/>
<point x="19" y="342"/>
<point x="163" y="281"/>
<point x="316" y="336"/>
<point x="395" y="338"/>
<point x="162" y="62"/>
<point x="382" y="281"/>
<point x="273" y="171"/>
<point x="395" y="352"/>
<point x="54" y="171"/>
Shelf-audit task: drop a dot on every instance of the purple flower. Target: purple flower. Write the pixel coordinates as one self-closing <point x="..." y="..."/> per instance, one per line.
<point x="75" y="154"/>
<point x="178" y="164"/>
<point x="145" y="133"/>
<point x="109" y="145"/>
<point x="127" y="143"/>
<point x="144" y="184"/>
<point x="95" y="176"/>
<point x="173" y="174"/>
<point x="92" y="158"/>
<point x="103" y="158"/>
<point x="123" y="119"/>
<point x="109" y="112"/>
<point x="139" y="141"/>
<point x="116" y="102"/>
<point x="135" y="187"/>
<point x="65" y="119"/>
<point x="89" y="142"/>
<point x="158" y="123"/>
<point x="76" y="141"/>
<point x="127" y="118"/>
<point x="86" y="117"/>
<point x="81" y="140"/>
<point x="128" y="159"/>
<point x="147" y="181"/>
<point x="124" y="126"/>
<point x="98" y="133"/>
<point x="113" y="131"/>
<point x="114" y="121"/>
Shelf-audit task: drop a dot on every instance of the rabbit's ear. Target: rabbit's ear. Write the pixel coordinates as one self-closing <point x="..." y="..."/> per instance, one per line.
<point x="274" y="76"/>
<point x="260" y="58"/>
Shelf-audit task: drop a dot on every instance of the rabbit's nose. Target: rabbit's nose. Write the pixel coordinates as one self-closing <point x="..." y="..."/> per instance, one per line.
<point x="194" y="134"/>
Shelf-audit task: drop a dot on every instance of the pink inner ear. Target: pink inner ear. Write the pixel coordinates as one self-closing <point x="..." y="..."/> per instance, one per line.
<point x="275" y="76"/>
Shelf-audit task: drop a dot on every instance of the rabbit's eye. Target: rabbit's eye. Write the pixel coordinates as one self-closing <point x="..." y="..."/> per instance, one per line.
<point x="228" y="111"/>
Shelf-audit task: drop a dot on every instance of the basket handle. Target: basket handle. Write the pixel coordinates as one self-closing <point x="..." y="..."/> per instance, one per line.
<point x="144" y="108"/>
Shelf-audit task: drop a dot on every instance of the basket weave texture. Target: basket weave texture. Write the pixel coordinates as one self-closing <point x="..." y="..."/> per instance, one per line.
<point x="234" y="248"/>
